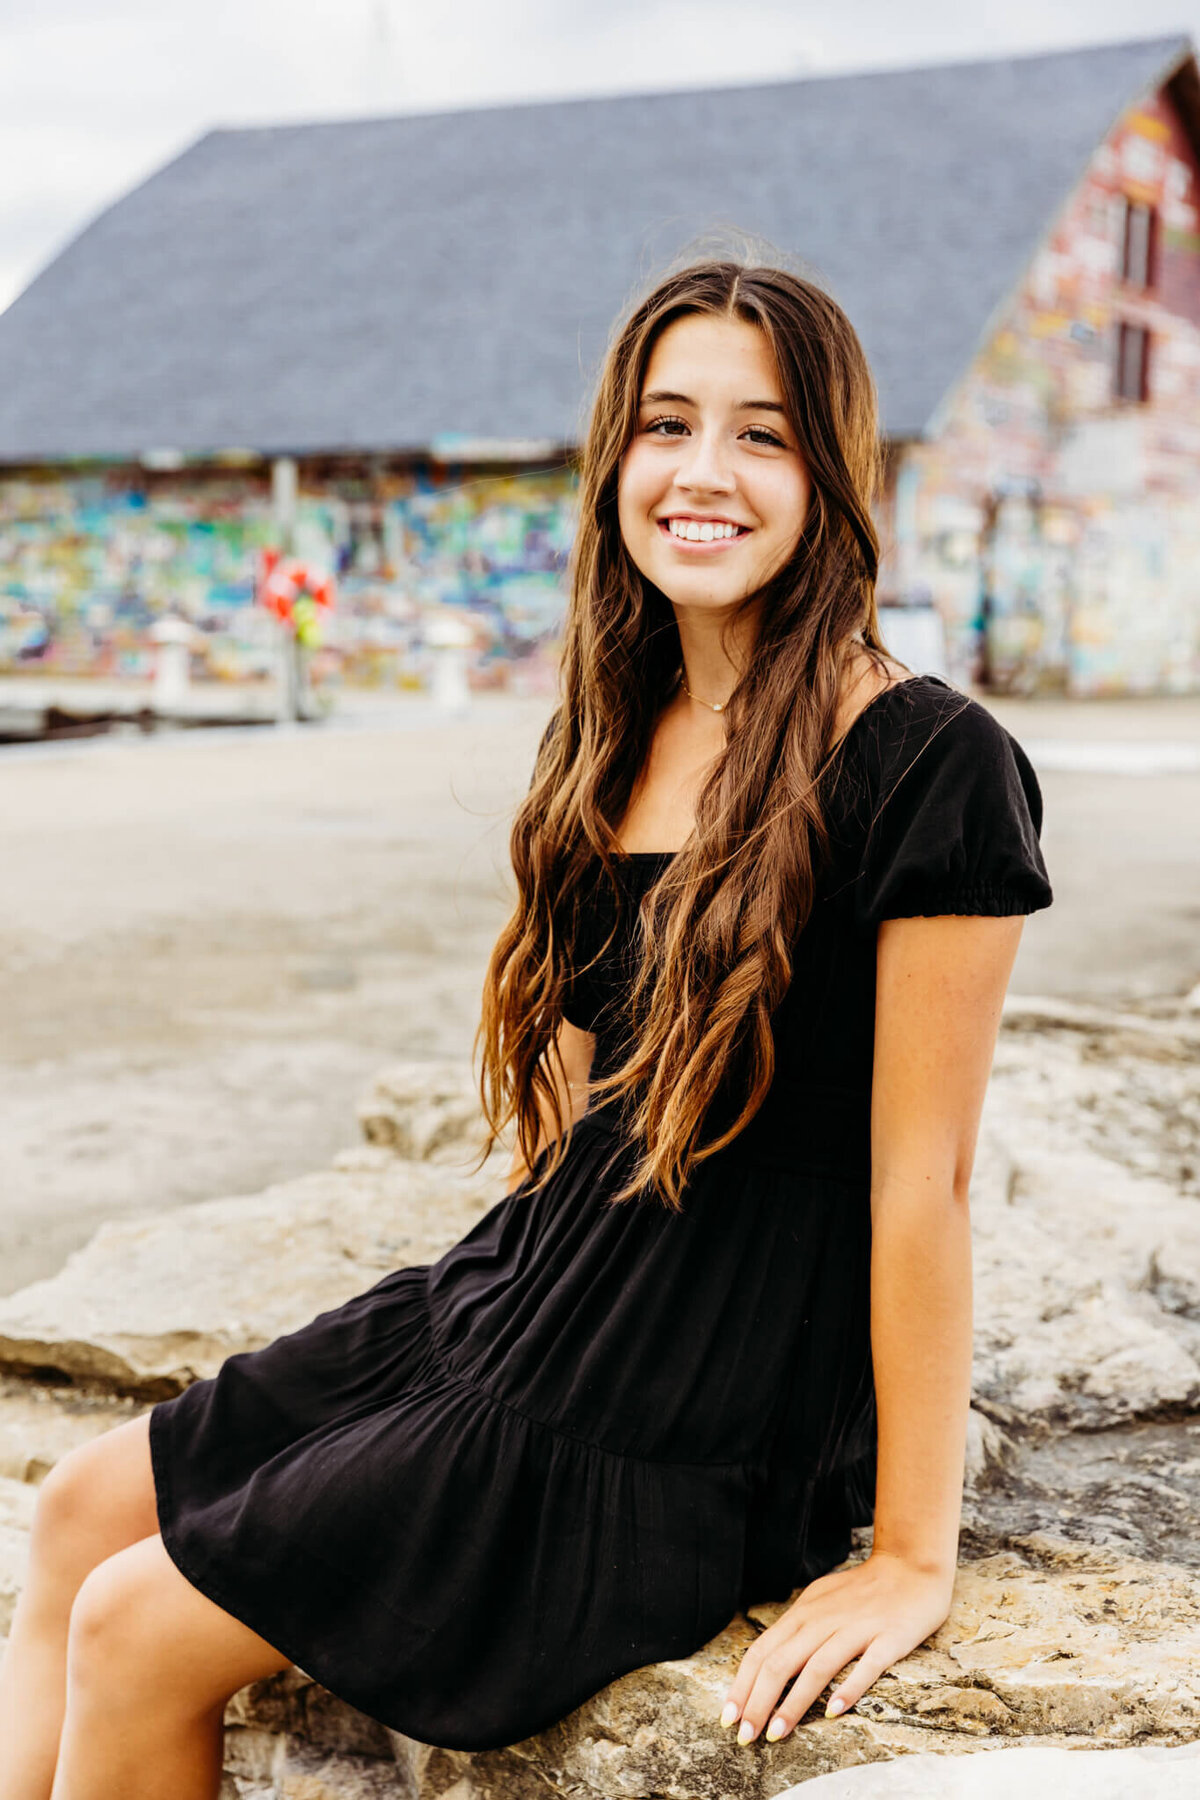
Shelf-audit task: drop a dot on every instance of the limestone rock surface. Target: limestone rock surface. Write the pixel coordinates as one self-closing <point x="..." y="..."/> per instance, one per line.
<point x="1151" y="1773"/>
<point x="1086" y="1208"/>
<point x="1134" y="1488"/>
<point x="1052" y="1637"/>
<point x="39" y="1423"/>
<point x="151" y="1303"/>
<point x="424" y="1111"/>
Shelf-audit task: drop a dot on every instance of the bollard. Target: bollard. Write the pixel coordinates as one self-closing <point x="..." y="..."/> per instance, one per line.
<point x="449" y="637"/>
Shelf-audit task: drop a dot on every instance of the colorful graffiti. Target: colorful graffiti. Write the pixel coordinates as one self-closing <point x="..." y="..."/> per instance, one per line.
<point x="90" y="560"/>
<point x="1056" y="527"/>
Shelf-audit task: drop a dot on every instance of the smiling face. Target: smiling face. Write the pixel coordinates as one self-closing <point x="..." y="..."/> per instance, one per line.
<point x="713" y="490"/>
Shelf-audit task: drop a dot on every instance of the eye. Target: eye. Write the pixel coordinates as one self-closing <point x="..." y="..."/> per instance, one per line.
<point x="665" y="424"/>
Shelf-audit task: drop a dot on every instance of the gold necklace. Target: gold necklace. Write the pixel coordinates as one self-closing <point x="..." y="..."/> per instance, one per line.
<point x="713" y="705"/>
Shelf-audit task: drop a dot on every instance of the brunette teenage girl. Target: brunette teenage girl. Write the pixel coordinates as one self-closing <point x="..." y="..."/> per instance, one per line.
<point x="771" y="885"/>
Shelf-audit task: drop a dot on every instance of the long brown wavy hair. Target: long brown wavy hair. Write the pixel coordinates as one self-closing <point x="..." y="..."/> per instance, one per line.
<point x="719" y="923"/>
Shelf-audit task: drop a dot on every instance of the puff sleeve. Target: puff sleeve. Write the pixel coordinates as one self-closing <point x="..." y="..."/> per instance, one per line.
<point x="956" y="823"/>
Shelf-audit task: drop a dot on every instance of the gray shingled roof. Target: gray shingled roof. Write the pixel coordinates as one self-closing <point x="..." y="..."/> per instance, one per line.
<point x="376" y="284"/>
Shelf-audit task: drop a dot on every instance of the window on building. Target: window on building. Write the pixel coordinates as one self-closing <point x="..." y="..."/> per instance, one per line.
<point x="1132" y="371"/>
<point x="1140" y="244"/>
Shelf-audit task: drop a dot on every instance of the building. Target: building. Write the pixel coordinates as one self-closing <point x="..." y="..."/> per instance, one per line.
<point x="413" y="308"/>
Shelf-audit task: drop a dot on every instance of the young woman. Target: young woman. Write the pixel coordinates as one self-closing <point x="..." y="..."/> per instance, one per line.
<point x="771" y="887"/>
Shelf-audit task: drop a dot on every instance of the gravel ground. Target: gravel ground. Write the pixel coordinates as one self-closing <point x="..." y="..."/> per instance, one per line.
<point x="209" y="940"/>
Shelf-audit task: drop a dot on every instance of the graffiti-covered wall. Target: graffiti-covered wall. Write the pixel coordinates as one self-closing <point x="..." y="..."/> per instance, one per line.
<point x="1055" y="526"/>
<point x="90" y="559"/>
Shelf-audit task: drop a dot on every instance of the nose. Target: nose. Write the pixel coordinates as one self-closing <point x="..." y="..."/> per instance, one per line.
<point x="703" y="465"/>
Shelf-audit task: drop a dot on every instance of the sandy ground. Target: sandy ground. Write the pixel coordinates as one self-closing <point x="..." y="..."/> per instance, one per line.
<point x="208" y="942"/>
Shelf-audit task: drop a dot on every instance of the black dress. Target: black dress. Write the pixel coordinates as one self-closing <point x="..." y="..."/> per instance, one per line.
<point x="577" y="1443"/>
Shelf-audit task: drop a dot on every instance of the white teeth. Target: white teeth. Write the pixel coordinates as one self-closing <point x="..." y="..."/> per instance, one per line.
<point x="697" y="533"/>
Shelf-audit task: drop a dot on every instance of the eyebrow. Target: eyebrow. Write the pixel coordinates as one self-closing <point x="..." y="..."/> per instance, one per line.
<point x="660" y="394"/>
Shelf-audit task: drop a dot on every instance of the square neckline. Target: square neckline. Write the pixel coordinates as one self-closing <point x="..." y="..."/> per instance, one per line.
<point x="658" y="855"/>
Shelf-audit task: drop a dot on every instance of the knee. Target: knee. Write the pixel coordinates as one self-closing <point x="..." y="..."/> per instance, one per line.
<point x="110" y="1638"/>
<point x="95" y="1499"/>
<point x="134" y="1642"/>
<point x="67" y="1501"/>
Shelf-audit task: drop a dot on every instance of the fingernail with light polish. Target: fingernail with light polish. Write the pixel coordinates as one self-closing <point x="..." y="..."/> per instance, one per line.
<point x="730" y="1714"/>
<point x="836" y="1707"/>
<point x="745" y="1732"/>
<point x="776" y="1728"/>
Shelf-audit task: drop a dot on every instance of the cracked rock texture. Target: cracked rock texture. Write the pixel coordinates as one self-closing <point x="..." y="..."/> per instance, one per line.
<point x="429" y="1111"/>
<point x="1070" y="1663"/>
<point x="1087" y="1244"/>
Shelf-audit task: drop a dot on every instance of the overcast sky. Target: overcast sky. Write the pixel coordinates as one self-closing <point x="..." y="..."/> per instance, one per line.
<point x="95" y="94"/>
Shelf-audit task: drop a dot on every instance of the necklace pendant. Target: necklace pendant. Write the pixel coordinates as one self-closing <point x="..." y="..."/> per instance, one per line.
<point x="712" y="705"/>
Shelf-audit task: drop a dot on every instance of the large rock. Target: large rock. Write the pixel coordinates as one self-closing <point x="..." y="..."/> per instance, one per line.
<point x="1133" y="1488"/>
<point x="1052" y="1644"/>
<point x="1125" y="1084"/>
<point x="1038" y="1774"/>
<point x="152" y="1303"/>
<point x="424" y="1111"/>
<point x="1086" y="1206"/>
<point x="1052" y="1637"/>
<point x="1087" y="1286"/>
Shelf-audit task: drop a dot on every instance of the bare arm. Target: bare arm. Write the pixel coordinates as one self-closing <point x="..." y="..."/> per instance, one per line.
<point x="576" y="1049"/>
<point x="941" y="989"/>
<point x="941" y="984"/>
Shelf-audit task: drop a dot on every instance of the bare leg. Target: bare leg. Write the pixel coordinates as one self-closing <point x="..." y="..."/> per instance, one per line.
<point x="95" y="1501"/>
<point x="151" y="1664"/>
